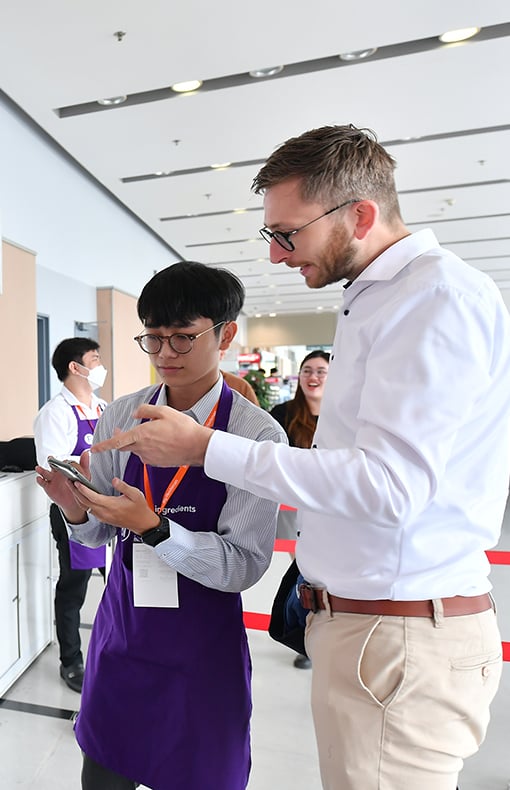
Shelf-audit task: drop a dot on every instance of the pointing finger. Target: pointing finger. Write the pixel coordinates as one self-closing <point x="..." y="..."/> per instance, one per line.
<point x="121" y="441"/>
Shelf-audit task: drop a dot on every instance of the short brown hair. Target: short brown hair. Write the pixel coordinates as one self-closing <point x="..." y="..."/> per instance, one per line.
<point x="335" y="163"/>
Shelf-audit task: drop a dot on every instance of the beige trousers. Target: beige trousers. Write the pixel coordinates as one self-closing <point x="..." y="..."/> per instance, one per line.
<point x="399" y="702"/>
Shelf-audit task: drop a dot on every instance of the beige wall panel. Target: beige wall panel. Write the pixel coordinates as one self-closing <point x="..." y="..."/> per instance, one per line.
<point x="128" y="367"/>
<point x="132" y="367"/>
<point x="104" y="323"/>
<point x="18" y="314"/>
<point x="292" y="330"/>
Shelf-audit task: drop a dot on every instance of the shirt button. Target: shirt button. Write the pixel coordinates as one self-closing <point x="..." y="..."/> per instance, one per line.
<point x="346" y="312"/>
<point x="486" y="672"/>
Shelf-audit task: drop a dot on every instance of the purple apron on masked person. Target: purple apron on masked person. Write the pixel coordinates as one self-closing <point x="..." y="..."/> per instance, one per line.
<point x="83" y="557"/>
<point x="167" y="694"/>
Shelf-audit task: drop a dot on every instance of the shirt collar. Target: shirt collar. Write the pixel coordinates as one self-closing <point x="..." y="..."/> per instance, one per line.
<point x="203" y="407"/>
<point x="399" y="255"/>
<point x="72" y="400"/>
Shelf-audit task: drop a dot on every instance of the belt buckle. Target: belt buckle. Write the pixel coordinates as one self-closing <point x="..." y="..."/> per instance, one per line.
<point x="307" y="597"/>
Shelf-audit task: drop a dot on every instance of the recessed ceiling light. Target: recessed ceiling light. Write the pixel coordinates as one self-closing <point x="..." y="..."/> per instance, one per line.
<point x="359" y="54"/>
<point x="269" y="72"/>
<point x="272" y="315"/>
<point x="452" y="36"/>
<point x="257" y="315"/>
<point x="187" y="87"/>
<point x="221" y="165"/>
<point x="319" y="308"/>
<point x="111" y="101"/>
<point x="239" y="211"/>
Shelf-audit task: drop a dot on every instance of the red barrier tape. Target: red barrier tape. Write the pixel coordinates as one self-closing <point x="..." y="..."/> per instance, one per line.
<point x="498" y="557"/>
<point x="256" y="621"/>
<point x="260" y="622"/>
<point x="494" y="557"/>
<point x="285" y="545"/>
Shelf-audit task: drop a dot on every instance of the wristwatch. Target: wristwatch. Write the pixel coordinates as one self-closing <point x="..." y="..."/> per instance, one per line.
<point x="157" y="534"/>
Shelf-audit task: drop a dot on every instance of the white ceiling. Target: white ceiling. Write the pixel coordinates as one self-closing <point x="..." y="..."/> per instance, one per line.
<point x="442" y="111"/>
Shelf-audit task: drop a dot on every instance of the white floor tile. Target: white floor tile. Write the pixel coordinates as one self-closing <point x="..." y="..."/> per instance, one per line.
<point x="38" y="752"/>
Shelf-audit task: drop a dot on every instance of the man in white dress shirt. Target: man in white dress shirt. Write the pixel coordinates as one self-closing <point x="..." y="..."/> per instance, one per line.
<point x="64" y="428"/>
<point x="405" y="487"/>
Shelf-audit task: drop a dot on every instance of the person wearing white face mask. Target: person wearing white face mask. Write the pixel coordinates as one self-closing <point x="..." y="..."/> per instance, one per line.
<point x="95" y="377"/>
<point x="64" y="428"/>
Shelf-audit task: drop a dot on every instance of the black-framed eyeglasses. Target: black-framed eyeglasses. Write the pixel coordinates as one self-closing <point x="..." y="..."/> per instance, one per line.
<point x="179" y="342"/>
<point x="283" y="237"/>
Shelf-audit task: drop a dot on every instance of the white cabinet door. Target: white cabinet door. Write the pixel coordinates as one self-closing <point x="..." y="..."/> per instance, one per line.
<point x="35" y="589"/>
<point x="9" y="641"/>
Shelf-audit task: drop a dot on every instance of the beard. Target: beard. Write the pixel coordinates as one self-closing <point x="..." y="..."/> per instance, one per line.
<point x="337" y="261"/>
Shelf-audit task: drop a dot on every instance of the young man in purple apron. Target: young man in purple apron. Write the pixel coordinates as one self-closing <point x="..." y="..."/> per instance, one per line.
<point x="167" y="699"/>
<point x="64" y="428"/>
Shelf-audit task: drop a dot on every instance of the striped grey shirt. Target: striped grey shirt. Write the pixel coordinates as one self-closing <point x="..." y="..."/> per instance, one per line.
<point x="235" y="557"/>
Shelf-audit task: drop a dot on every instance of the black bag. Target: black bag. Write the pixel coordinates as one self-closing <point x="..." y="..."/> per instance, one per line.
<point x="18" y="455"/>
<point x="289" y="631"/>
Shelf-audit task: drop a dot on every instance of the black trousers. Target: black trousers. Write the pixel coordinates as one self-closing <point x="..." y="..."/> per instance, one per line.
<point x="96" y="777"/>
<point x="69" y="594"/>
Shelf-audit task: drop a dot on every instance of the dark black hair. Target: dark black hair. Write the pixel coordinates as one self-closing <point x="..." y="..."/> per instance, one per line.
<point x="317" y="353"/>
<point x="185" y="291"/>
<point x="69" y="350"/>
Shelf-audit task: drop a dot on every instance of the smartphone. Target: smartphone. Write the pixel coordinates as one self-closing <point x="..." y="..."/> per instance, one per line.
<point x="70" y="471"/>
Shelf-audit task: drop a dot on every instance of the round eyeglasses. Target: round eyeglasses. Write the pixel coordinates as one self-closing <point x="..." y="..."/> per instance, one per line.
<point x="283" y="237"/>
<point x="320" y="372"/>
<point x="179" y="342"/>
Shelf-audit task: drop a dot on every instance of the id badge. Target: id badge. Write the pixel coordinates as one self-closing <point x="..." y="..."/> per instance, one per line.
<point x="154" y="582"/>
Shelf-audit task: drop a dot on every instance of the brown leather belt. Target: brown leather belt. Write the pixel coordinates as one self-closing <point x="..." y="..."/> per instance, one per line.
<point x="312" y="598"/>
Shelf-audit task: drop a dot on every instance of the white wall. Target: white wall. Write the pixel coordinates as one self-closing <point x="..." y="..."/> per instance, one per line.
<point x="49" y="205"/>
<point x="76" y="302"/>
<point x="505" y="292"/>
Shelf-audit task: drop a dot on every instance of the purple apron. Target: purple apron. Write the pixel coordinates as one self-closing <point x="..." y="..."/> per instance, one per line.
<point x="167" y="700"/>
<point x="83" y="557"/>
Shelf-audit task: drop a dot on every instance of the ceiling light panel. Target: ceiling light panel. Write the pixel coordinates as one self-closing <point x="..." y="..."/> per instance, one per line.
<point x="290" y="70"/>
<point x="454" y="36"/>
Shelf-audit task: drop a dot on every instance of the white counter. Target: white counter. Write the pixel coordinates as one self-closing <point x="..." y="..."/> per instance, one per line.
<point x="26" y="606"/>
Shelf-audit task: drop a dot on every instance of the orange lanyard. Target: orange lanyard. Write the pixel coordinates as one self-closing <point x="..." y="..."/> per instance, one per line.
<point x="178" y="476"/>
<point x="86" y="418"/>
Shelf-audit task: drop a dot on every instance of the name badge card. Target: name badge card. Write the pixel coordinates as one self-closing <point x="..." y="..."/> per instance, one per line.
<point x="154" y="582"/>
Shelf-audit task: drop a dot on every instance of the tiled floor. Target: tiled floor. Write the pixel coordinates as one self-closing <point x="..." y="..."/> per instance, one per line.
<point x="38" y="750"/>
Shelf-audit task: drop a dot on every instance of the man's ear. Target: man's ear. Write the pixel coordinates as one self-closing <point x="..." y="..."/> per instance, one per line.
<point x="229" y="332"/>
<point x="366" y="213"/>
<point x="72" y="367"/>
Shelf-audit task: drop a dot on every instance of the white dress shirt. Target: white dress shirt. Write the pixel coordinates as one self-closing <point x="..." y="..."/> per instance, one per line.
<point x="408" y="485"/>
<point x="55" y="426"/>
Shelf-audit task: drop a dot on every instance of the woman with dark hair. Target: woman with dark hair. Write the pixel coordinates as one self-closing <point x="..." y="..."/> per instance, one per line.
<point x="298" y="418"/>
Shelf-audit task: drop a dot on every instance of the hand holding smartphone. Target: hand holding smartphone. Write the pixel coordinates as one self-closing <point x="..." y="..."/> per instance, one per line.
<point x="70" y="471"/>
